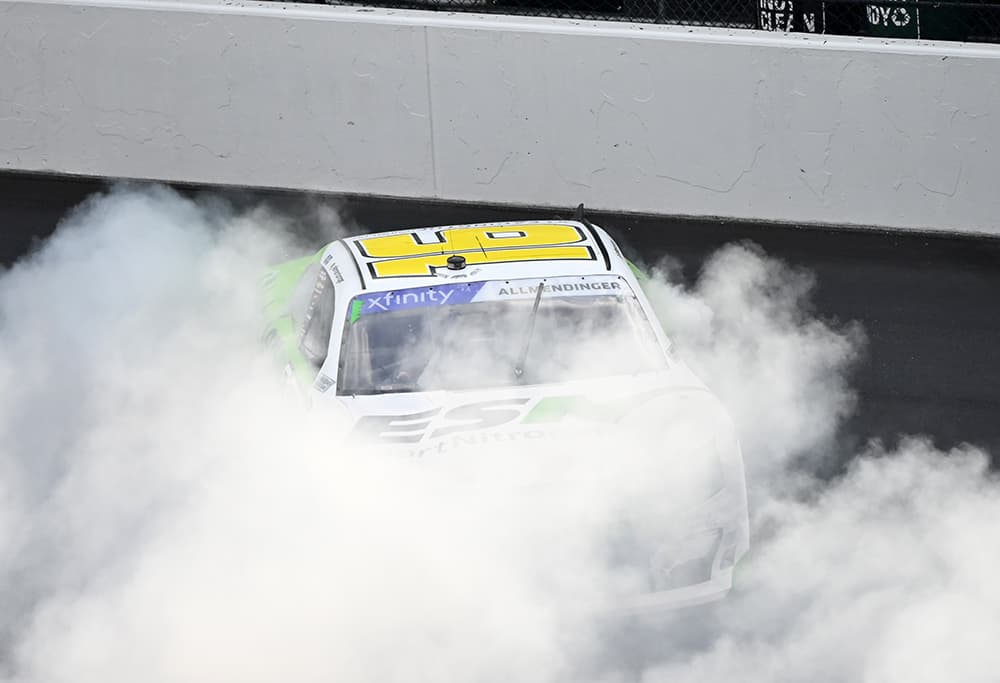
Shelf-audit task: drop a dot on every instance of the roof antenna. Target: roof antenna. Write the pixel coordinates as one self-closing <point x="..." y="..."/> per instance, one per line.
<point x="581" y="216"/>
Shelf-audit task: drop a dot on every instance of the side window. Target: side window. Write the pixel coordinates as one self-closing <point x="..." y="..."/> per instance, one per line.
<point x="318" y="320"/>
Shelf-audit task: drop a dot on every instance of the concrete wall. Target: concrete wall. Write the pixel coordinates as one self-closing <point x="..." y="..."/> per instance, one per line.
<point x="506" y="110"/>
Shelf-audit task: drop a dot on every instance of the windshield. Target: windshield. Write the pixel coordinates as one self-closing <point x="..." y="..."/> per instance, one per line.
<point x="495" y="334"/>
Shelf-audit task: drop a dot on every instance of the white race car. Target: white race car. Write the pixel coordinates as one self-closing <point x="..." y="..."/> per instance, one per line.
<point x="490" y="336"/>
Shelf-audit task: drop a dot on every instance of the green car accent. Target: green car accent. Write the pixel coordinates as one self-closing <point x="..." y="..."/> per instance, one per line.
<point x="278" y="285"/>
<point x="640" y="275"/>
<point x="356" y="307"/>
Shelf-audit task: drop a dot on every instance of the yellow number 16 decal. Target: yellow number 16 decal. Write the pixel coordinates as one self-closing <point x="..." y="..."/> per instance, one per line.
<point x="403" y="255"/>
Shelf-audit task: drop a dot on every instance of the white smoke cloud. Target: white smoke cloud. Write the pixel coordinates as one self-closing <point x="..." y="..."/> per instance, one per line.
<point x="174" y="516"/>
<point x="883" y="576"/>
<point x="746" y="328"/>
<point x="168" y="514"/>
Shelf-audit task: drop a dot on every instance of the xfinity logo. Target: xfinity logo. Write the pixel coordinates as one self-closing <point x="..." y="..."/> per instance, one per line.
<point x="392" y="301"/>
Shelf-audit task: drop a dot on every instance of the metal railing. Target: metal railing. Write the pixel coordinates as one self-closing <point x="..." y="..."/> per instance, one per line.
<point x="963" y="20"/>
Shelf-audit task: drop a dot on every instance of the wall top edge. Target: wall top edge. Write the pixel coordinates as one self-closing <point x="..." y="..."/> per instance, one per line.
<point x="557" y="26"/>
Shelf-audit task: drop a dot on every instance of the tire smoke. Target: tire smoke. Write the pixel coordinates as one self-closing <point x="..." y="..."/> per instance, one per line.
<point x="168" y="514"/>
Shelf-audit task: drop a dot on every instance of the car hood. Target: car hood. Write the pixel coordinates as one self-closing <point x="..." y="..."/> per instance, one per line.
<point x="604" y="410"/>
<point x="637" y="470"/>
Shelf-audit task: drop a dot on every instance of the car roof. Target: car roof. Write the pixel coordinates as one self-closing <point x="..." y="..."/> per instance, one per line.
<point x="522" y="249"/>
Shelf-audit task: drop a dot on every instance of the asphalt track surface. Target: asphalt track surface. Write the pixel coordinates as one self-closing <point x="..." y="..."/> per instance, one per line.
<point x="930" y="304"/>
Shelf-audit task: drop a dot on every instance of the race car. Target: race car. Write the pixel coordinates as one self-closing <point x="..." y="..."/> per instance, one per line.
<point x="489" y="336"/>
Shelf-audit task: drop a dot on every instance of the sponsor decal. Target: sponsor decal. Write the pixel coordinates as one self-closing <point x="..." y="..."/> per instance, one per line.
<point x="414" y="254"/>
<point x="566" y="288"/>
<point x="323" y="383"/>
<point x="495" y="290"/>
<point x="418" y="297"/>
<point x="322" y="282"/>
<point x="338" y="277"/>
<point x="482" y="416"/>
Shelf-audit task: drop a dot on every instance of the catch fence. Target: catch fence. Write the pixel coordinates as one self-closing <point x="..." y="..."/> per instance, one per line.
<point x="961" y="20"/>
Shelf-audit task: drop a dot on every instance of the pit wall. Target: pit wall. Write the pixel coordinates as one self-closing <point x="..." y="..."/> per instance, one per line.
<point x="507" y="110"/>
